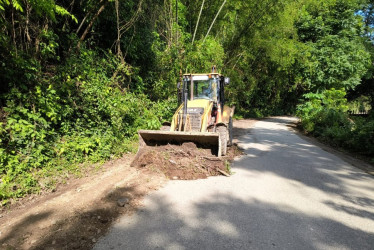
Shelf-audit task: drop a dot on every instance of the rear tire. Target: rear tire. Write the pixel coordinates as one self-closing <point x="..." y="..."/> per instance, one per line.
<point x="222" y="130"/>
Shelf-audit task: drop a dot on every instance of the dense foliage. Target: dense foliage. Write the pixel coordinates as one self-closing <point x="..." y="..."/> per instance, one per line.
<point x="325" y="116"/>
<point x="78" y="78"/>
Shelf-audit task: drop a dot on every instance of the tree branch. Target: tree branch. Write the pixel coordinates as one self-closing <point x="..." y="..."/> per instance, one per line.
<point x="91" y="24"/>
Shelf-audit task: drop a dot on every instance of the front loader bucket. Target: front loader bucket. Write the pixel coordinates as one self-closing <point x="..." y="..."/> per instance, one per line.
<point x="158" y="137"/>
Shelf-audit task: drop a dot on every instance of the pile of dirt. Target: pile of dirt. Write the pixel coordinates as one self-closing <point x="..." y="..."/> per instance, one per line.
<point x="185" y="162"/>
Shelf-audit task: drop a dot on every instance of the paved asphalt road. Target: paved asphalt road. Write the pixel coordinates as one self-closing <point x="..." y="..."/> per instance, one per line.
<point x="285" y="194"/>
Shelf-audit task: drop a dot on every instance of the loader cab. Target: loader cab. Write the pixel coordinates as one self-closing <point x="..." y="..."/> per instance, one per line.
<point x="202" y="86"/>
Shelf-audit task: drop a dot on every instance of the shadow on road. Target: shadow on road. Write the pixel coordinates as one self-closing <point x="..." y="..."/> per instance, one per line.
<point x="282" y="152"/>
<point x="224" y="221"/>
<point x="218" y="225"/>
<point x="217" y="222"/>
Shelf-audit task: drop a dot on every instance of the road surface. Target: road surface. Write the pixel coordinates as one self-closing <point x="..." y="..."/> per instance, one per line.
<point x="286" y="193"/>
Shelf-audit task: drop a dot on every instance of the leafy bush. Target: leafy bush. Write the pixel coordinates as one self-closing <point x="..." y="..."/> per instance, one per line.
<point x="325" y="115"/>
<point x="362" y="139"/>
<point x="85" y="113"/>
<point x="322" y="110"/>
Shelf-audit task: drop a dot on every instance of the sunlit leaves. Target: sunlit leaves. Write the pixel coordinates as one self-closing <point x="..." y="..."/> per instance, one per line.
<point x="63" y="12"/>
<point x="15" y="3"/>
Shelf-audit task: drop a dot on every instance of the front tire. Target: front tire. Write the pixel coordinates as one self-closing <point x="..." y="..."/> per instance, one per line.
<point x="222" y="130"/>
<point x="230" y="137"/>
<point x="165" y="128"/>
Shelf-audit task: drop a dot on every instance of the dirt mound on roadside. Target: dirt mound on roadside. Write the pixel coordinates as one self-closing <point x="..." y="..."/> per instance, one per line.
<point x="184" y="162"/>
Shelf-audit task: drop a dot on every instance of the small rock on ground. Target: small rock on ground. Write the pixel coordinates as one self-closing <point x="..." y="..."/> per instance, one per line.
<point x="122" y="202"/>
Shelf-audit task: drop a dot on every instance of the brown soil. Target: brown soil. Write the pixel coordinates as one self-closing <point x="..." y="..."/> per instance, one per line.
<point x="80" y="211"/>
<point x="185" y="162"/>
<point x="77" y="214"/>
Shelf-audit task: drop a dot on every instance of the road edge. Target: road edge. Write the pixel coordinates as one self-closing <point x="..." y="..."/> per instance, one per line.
<point x="342" y="154"/>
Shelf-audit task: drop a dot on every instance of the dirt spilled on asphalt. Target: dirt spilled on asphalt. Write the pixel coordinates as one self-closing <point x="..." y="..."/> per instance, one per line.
<point x="82" y="210"/>
<point x="185" y="162"/>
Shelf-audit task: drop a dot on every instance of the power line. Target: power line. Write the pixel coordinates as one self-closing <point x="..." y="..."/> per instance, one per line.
<point x="214" y="20"/>
<point x="198" y="19"/>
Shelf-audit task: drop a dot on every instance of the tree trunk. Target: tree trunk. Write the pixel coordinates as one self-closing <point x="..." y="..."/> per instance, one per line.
<point x="118" y="42"/>
<point x="90" y="24"/>
<point x="85" y="17"/>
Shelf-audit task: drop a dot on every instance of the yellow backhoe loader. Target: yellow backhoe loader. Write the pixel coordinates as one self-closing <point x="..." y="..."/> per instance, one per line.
<point x="202" y="117"/>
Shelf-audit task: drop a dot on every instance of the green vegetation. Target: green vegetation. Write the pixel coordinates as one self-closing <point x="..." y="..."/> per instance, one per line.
<point x="79" y="78"/>
<point x="325" y="116"/>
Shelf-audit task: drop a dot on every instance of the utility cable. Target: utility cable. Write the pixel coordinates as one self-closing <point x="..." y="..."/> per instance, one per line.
<point x="214" y="20"/>
<point x="198" y="20"/>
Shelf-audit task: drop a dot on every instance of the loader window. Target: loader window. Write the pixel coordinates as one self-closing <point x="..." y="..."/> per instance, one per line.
<point x="201" y="89"/>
